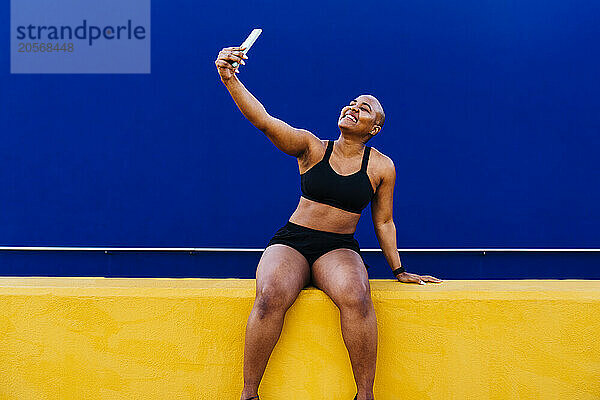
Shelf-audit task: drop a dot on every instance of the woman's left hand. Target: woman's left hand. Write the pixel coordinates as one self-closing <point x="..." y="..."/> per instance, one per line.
<point x="414" y="278"/>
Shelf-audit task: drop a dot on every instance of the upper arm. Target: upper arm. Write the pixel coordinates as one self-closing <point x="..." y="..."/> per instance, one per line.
<point x="383" y="201"/>
<point x="290" y="140"/>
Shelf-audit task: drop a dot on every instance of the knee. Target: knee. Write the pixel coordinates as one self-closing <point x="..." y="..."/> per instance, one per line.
<point x="355" y="297"/>
<point x="271" y="299"/>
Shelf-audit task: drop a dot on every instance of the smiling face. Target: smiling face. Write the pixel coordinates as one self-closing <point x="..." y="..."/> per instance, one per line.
<point x="363" y="115"/>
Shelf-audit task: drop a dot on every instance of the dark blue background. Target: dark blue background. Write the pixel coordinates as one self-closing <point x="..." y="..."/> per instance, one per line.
<point x="493" y="122"/>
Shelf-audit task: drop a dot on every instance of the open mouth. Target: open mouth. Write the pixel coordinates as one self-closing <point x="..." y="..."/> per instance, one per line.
<point x="351" y="117"/>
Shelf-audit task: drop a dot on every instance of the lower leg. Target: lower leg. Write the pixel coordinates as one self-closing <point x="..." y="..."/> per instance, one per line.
<point x="359" y="330"/>
<point x="262" y="332"/>
<point x="281" y="274"/>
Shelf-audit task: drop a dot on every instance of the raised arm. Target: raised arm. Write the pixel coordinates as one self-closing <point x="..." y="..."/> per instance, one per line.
<point x="288" y="139"/>
<point x="383" y="222"/>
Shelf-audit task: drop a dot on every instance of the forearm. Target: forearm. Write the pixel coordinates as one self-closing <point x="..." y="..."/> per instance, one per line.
<point x="386" y="235"/>
<point x="249" y="105"/>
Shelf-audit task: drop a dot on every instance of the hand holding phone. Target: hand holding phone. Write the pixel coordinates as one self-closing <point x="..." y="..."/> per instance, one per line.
<point x="229" y="58"/>
<point x="248" y="43"/>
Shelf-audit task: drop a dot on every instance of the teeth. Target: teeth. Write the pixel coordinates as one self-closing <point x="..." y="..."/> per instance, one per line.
<point x="352" y="117"/>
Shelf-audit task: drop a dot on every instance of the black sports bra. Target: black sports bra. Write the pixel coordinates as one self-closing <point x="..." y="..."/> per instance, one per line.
<point x="348" y="192"/>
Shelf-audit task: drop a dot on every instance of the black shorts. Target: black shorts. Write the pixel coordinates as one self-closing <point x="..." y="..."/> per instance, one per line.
<point x="312" y="243"/>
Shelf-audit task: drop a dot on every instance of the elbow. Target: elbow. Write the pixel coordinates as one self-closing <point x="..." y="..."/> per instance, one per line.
<point x="384" y="225"/>
<point x="258" y="117"/>
<point x="261" y="123"/>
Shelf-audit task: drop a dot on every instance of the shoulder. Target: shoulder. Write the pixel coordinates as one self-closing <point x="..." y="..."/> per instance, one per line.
<point x="315" y="150"/>
<point x="316" y="146"/>
<point x="383" y="165"/>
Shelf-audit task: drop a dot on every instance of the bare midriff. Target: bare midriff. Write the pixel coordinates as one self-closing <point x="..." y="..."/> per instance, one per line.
<point x="324" y="217"/>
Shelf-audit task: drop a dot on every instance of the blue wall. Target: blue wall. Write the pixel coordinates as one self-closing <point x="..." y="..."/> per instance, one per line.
<point x="493" y="122"/>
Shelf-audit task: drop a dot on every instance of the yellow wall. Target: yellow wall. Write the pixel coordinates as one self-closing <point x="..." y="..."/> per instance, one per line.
<point x="96" y="338"/>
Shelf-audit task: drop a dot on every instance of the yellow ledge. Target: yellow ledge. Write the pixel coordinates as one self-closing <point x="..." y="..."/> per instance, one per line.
<point x="98" y="338"/>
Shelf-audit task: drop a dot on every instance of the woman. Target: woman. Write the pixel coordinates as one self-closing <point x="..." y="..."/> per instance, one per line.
<point x="317" y="245"/>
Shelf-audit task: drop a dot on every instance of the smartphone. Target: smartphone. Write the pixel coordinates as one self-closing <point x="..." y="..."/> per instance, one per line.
<point x="248" y="43"/>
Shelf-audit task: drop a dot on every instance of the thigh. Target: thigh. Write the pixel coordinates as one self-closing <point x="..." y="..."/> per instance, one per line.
<point x="282" y="272"/>
<point x="342" y="275"/>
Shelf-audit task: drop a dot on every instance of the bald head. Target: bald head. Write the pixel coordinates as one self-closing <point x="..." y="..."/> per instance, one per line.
<point x="379" y="113"/>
